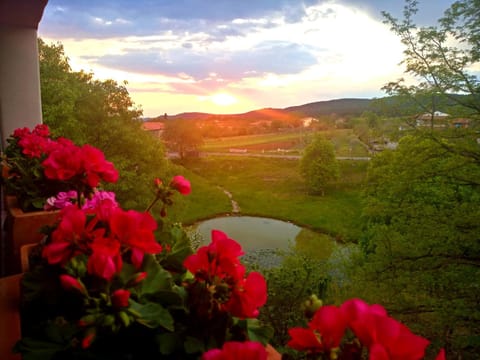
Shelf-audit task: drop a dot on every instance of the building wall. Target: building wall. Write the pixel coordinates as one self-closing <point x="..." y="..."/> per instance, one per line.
<point x="20" y="102"/>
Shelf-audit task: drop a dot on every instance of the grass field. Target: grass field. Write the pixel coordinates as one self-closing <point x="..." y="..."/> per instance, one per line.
<point x="248" y="140"/>
<point x="345" y="142"/>
<point x="273" y="188"/>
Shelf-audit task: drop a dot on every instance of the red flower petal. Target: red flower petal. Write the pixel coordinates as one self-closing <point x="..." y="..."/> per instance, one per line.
<point x="330" y="322"/>
<point x="304" y="340"/>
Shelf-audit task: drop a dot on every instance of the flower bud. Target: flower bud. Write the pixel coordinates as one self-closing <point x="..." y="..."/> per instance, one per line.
<point x="157" y="182"/>
<point x="311" y="305"/>
<point x="181" y="184"/>
<point x="69" y="282"/>
<point x="163" y="212"/>
<point x="87" y="320"/>
<point x="136" y="279"/>
<point x="120" y="298"/>
<point x="88" y="338"/>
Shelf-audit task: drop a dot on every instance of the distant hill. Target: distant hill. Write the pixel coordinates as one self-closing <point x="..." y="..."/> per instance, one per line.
<point x="339" y="107"/>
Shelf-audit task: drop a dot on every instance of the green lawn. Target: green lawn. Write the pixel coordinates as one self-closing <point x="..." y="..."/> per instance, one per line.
<point x="345" y="141"/>
<point x="240" y="141"/>
<point x="274" y="188"/>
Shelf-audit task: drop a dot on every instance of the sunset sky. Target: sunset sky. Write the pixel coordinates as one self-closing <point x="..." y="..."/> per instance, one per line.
<point x="233" y="56"/>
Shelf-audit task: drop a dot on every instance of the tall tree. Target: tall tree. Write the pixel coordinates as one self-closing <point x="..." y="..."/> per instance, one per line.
<point x="182" y="136"/>
<point x="442" y="59"/>
<point x="101" y="113"/>
<point x="318" y="164"/>
<point x="421" y="249"/>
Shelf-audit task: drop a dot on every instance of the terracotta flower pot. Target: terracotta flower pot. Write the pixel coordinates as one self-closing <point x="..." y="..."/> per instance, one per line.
<point x="272" y="353"/>
<point x="23" y="228"/>
<point x="9" y="308"/>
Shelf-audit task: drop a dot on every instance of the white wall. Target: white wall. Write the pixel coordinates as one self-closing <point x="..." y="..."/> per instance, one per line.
<point x="20" y="102"/>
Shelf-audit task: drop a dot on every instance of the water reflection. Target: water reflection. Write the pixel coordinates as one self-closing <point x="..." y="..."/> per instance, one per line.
<point x="253" y="233"/>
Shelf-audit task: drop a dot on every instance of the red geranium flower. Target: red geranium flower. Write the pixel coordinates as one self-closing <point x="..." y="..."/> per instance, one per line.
<point x="247" y="296"/>
<point x="235" y="350"/>
<point x="68" y="237"/>
<point x="219" y="258"/>
<point x="325" y="331"/>
<point x="21" y="132"/>
<point x="181" y="184"/>
<point x="105" y="260"/>
<point x="331" y="323"/>
<point x="96" y="167"/>
<point x="63" y="163"/>
<point x="135" y="230"/>
<point x="33" y="145"/>
<point x="361" y="319"/>
<point x="304" y="339"/>
<point x="42" y="130"/>
<point x="381" y="333"/>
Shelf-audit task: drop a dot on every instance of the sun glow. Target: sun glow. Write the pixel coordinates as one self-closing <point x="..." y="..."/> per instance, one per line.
<point x="223" y="99"/>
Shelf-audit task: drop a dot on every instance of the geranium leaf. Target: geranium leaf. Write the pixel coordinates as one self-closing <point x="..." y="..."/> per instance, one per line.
<point x="33" y="349"/>
<point x="257" y="331"/>
<point x="153" y="315"/>
<point x="157" y="279"/>
<point x="41" y="283"/>
<point x="167" y="343"/>
<point x="180" y="250"/>
<point x="60" y="331"/>
<point x="128" y="270"/>
<point x="193" y="345"/>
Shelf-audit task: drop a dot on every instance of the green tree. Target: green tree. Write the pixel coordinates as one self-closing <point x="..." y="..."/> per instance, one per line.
<point x="101" y="113"/>
<point x="421" y="250"/>
<point x="318" y="164"/>
<point x="441" y="58"/>
<point x="182" y="136"/>
<point x="290" y="284"/>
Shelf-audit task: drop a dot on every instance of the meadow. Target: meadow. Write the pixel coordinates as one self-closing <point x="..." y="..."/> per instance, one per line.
<point x="273" y="187"/>
<point x="345" y="141"/>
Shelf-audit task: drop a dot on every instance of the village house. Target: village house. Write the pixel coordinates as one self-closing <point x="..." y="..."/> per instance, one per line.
<point x="155" y="128"/>
<point x="436" y="119"/>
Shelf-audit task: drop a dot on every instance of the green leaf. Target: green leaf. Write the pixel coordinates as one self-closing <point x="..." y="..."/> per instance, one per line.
<point x="42" y="282"/>
<point x="34" y="349"/>
<point x="128" y="271"/>
<point x="257" y="331"/>
<point x="180" y="250"/>
<point x="158" y="278"/>
<point x="193" y="345"/>
<point x="60" y="331"/>
<point x="153" y="315"/>
<point x="167" y="343"/>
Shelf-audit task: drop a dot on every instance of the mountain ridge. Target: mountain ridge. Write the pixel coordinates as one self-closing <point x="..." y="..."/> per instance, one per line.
<point x="341" y="107"/>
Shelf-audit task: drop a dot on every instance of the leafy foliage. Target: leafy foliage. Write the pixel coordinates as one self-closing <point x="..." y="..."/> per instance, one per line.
<point x="101" y="113"/>
<point x="421" y="254"/>
<point x="441" y="58"/>
<point x="318" y="164"/>
<point x="421" y="247"/>
<point x="289" y="285"/>
<point x="182" y="136"/>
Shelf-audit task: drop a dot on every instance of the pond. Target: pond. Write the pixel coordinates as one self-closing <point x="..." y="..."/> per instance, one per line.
<point x="261" y="236"/>
<point x="252" y="233"/>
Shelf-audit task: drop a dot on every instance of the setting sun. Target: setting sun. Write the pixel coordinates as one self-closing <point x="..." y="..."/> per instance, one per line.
<point x="223" y="99"/>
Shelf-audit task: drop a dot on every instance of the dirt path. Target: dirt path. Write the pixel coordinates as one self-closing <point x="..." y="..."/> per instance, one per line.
<point x="235" y="207"/>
